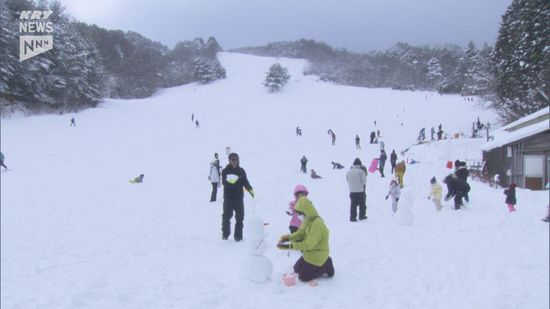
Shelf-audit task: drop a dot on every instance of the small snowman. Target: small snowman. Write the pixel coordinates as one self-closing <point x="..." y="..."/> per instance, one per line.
<point x="404" y="215"/>
<point x="257" y="268"/>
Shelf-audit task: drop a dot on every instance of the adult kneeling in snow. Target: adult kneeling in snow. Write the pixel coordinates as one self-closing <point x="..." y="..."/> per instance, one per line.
<point x="312" y="239"/>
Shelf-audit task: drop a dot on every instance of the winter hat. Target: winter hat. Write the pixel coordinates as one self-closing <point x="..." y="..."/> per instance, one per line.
<point x="233" y="155"/>
<point x="357" y="161"/>
<point x="433" y="180"/>
<point x="301" y="188"/>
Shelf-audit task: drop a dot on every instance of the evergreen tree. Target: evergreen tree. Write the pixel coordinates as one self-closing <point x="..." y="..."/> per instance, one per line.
<point x="434" y="74"/>
<point x="521" y="59"/>
<point x="276" y="78"/>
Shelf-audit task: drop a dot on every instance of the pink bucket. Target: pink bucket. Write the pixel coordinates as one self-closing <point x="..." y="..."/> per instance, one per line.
<point x="289" y="279"/>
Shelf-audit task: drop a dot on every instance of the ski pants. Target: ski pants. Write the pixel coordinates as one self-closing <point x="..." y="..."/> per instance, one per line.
<point x="307" y="272"/>
<point x="230" y="206"/>
<point x="214" y="192"/>
<point x="400" y="178"/>
<point x="358" y="199"/>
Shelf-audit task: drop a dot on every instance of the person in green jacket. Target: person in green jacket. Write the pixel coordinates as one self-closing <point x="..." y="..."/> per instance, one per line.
<point x="312" y="239"/>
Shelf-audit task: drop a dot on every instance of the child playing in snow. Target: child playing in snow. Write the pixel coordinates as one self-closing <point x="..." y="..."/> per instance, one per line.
<point x="395" y="193"/>
<point x="314" y="175"/>
<point x="511" y="197"/>
<point x="435" y="194"/>
<point x="295" y="222"/>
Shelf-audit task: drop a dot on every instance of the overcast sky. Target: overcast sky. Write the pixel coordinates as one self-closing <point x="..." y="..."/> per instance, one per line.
<point x="358" y="25"/>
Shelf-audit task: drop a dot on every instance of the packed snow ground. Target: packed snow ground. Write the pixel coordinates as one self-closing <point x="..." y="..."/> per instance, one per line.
<point x="76" y="234"/>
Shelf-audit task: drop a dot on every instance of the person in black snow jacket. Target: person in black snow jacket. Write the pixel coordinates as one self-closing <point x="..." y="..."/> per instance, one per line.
<point x="463" y="173"/>
<point x="234" y="179"/>
<point x="303" y="163"/>
<point x="336" y="165"/>
<point x="357" y="142"/>
<point x="511" y="197"/>
<point x="372" y="137"/>
<point x="456" y="188"/>
<point x="382" y="162"/>
<point x="393" y="160"/>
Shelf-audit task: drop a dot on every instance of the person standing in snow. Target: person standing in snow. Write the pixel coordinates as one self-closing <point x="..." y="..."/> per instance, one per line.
<point x="312" y="239"/>
<point x="197" y="124"/>
<point x="372" y="137"/>
<point x="214" y="177"/>
<point x="295" y="222"/>
<point x="2" y="161"/>
<point x="234" y="182"/>
<point x="432" y="132"/>
<point x="439" y="133"/>
<point x="192" y="117"/>
<point x="382" y="162"/>
<point x="422" y="135"/>
<point x="333" y="137"/>
<point x="393" y="160"/>
<point x="510" y="193"/>
<point x="400" y="169"/>
<point x="395" y="193"/>
<point x="357" y="142"/>
<point x="456" y="188"/>
<point x="303" y="163"/>
<point x="73" y="123"/>
<point x="463" y="173"/>
<point x="435" y="194"/>
<point x="357" y="182"/>
<point x="298" y="131"/>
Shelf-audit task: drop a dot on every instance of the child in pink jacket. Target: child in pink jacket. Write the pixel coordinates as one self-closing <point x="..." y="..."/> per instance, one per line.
<point x="295" y="222"/>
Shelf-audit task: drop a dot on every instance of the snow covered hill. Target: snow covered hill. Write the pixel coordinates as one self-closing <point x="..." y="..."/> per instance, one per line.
<point x="76" y="234"/>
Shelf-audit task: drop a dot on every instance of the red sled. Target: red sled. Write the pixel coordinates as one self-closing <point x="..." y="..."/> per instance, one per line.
<point x="449" y="164"/>
<point x="373" y="165"/>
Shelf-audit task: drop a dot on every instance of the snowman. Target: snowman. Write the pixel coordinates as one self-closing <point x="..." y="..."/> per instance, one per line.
<point x="404" y="215"/>
<point x="257" y="268"/>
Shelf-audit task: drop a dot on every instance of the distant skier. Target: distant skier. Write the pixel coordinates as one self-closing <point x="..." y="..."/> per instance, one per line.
<point x="314" y="175"/>
<point x="73" y="123"/>
<point x="295" y="222"/>
<point x="197" y="124"/>
<point x="357" y="182"/>
<point x="214" y="177"/>
<point x="432" y="132"/>
<point x="303" y="163"/>
<point x="395" y="193"/>
<point x="333" y="137"/>
<point x="439" y="133"/>
<point x="138" y="179"/>
<point x="2" y="161"/>
<point x="422" y="135"/>
<point x="336" y="165"/>
<point x="298" y="131"/>
<point x="382" y="162"/>
<point x="393" y="160"/>
<point x="357" y="142"/>
<point x="510" y="193"/>
<point x="192" y="117"/>
<point x="435" y="194"/>
<point x="372" y="137"/>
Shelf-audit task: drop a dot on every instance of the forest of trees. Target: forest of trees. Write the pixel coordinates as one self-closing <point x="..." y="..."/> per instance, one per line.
<point x="89" y="63"/>
<point x="514" y="74"/>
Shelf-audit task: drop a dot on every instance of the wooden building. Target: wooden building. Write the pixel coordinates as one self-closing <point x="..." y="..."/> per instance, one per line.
<point x="520" y="152"/>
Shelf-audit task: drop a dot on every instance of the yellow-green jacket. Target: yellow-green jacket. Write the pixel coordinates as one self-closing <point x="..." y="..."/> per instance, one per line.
<point x="312" y="236"/>
<point x="436" y="191"/>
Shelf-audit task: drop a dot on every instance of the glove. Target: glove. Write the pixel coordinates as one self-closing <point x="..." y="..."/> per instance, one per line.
<point x="289" y="213"/>
<point x="397" y="199"/>
<point x="283" y="246"/>
<point x="387" y="196"/>
<point x="284" y="238"/>
<point x="251" y="192"/>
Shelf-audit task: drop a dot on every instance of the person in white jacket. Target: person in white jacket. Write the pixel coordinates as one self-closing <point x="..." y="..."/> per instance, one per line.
<point x="395" y="193"/>
<point x="214" y="178"/>
<point x="357" y="182"/>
